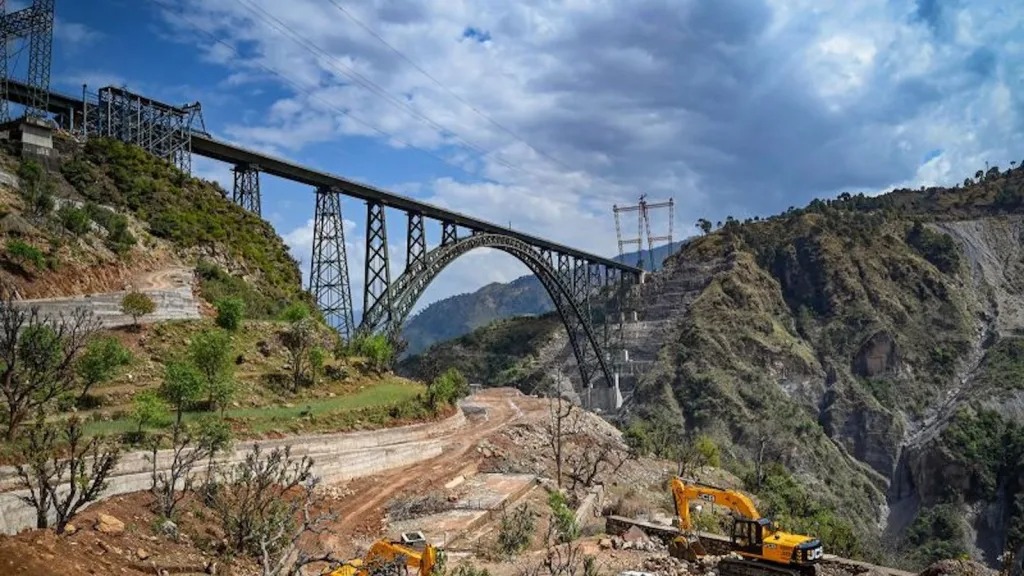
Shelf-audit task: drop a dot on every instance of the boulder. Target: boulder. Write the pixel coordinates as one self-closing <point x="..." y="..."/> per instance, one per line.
<point x="107" y="524"/>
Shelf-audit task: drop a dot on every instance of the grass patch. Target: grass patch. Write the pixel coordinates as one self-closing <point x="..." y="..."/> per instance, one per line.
<point x="366" y="402"/>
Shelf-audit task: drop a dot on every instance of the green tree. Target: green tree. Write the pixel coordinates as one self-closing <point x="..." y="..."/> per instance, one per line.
<point x="317" y="357"/>
<point x="182" y="387"/>
<point x="100" y="361"/>
<point x="137" y="305"/>
<point x="707" y="453"/>
<point x="704" y="225"/>
<point x="149" y="409"/>
<point x="210" y="353"/>
<point x="36" y="359"/>
<point x="230" y="312"/>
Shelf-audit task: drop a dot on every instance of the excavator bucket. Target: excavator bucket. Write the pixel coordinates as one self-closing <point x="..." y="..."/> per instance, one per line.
<point x="686" y="548"/>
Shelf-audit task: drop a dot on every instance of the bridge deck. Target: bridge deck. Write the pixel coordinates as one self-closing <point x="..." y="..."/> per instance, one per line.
<point x="215" y="149"/>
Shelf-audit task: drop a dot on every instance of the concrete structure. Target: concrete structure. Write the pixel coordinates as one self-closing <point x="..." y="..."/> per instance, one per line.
<point x="337" y="457"/>
<point x="33" y="135"/>
<point x="177" y="303"/>
<point x="480" y="500"/>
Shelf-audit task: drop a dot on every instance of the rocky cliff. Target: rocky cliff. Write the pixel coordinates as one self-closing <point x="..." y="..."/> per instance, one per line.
<point x="859" y="360"/>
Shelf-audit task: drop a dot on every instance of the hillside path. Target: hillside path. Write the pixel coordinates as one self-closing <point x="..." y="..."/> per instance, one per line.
<point x="369" y="496"/>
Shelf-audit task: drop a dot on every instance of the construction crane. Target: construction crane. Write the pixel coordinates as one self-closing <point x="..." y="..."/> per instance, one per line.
<point x="765" y="549"/>
<point x="643" y="209"/>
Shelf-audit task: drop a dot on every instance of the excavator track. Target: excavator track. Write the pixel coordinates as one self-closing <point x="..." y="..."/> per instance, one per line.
<point x="734" y="567"/>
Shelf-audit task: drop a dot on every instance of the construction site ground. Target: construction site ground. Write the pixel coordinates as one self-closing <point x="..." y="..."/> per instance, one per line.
<point x="498" y="460"/>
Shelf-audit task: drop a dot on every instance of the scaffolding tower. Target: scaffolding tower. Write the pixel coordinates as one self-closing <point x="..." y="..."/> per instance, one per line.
<point x="160" y="129"/>
<point x="643" y="225"/>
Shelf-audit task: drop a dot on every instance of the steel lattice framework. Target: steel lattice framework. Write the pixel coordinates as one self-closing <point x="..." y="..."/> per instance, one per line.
<point x="571" y="299"/>
<point x="246" y="192"/>
<point x="36" y="24"/>
<point x="378" y="266"/>
<point x="328" y="274"/>
<point x="160" y="129"/>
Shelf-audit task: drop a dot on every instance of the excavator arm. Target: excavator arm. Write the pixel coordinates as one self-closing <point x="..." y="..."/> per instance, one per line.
<point x="683" y="494"/>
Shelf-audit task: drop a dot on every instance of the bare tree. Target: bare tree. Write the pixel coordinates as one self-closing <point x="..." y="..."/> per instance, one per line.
<point x="264" y="517"/>
<point x="562" y="559"/>
<point x="299" y="339"/>
<point x="187" y="449"/>
<point x="44" y="473"/>
<point x="37" y="357"/>
<point x="595" y="457"/>
<point x="562" y="424"/>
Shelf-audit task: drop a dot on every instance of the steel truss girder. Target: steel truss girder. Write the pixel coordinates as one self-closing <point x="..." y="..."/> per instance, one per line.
<point x="246" y="192"/>
<point x="377" y="278"/>
<point x="328" y="276"/>
<point x="408" y="288"/>
<point x="415" y="243"/>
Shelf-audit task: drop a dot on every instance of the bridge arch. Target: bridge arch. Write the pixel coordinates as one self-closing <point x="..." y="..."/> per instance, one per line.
<point x="397" y="302"/>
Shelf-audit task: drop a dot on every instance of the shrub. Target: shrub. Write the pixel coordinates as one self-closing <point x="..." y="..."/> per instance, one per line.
<point x="24" y="254"/>
<point x="149" y="409"/>
<point x="562" y="518"/>
<point x="447" y="388"/>
<point x="516" y="530"/>
<point x="74" y="219"/>
<point x="374" y="347"/>
<point x="230" y="312"/>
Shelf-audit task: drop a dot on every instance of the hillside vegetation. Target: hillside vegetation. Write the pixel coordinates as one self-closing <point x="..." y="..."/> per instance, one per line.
<point x="96" y="215"/>
<point x="859" y="361"/>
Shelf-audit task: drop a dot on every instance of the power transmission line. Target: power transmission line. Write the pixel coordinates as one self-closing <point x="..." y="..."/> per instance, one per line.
<point x="451" y="92"/>
<point x="298" y="87"/>
<point x="347" y="71"/>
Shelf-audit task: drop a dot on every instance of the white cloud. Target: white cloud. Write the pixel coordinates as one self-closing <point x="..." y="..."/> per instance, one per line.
<point x="74" y="33"/>
<point x="731" y="107"/>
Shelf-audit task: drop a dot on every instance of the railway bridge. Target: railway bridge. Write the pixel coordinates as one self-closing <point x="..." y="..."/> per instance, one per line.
<point x="584" y="287"/>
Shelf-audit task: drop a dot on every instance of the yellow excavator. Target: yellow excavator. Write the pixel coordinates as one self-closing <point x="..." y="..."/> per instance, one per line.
<point x="766" y="550"/>
<point x="418" y="555"/>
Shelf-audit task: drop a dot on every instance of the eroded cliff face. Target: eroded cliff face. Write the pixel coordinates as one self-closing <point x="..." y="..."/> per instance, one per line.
<point x="878" y="355"/>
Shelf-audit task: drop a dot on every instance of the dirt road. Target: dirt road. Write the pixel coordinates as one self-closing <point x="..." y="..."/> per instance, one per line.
<point x="363" y="509"/>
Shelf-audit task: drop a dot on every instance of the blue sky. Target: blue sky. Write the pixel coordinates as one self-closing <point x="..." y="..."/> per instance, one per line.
<point x="544" y="114"/>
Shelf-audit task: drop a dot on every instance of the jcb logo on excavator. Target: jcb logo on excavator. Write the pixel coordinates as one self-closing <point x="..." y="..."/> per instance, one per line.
<point x="707" y="497"/>
<point x="816" y="553"/>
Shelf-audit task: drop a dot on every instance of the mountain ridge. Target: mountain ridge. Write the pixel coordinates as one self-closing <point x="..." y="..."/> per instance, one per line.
<point x="863" y="342"/>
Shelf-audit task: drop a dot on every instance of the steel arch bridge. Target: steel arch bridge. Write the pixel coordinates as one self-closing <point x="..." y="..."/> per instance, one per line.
<point x="570" y="283"/>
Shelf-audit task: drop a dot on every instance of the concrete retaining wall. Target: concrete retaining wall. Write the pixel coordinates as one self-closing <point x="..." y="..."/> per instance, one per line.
<point x="337" y="457"/>
<point x="174" y="304"/>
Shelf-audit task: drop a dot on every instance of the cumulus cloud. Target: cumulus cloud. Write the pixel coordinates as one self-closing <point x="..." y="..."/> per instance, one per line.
<point x="732" y="107"/>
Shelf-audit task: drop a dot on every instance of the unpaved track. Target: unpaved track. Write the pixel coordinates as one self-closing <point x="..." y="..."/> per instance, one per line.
<point x="370" y="495"/>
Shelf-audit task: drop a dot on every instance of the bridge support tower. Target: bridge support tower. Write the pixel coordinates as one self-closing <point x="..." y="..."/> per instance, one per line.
<point x="328" y="274"/>
<point x="246" y="192"/>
